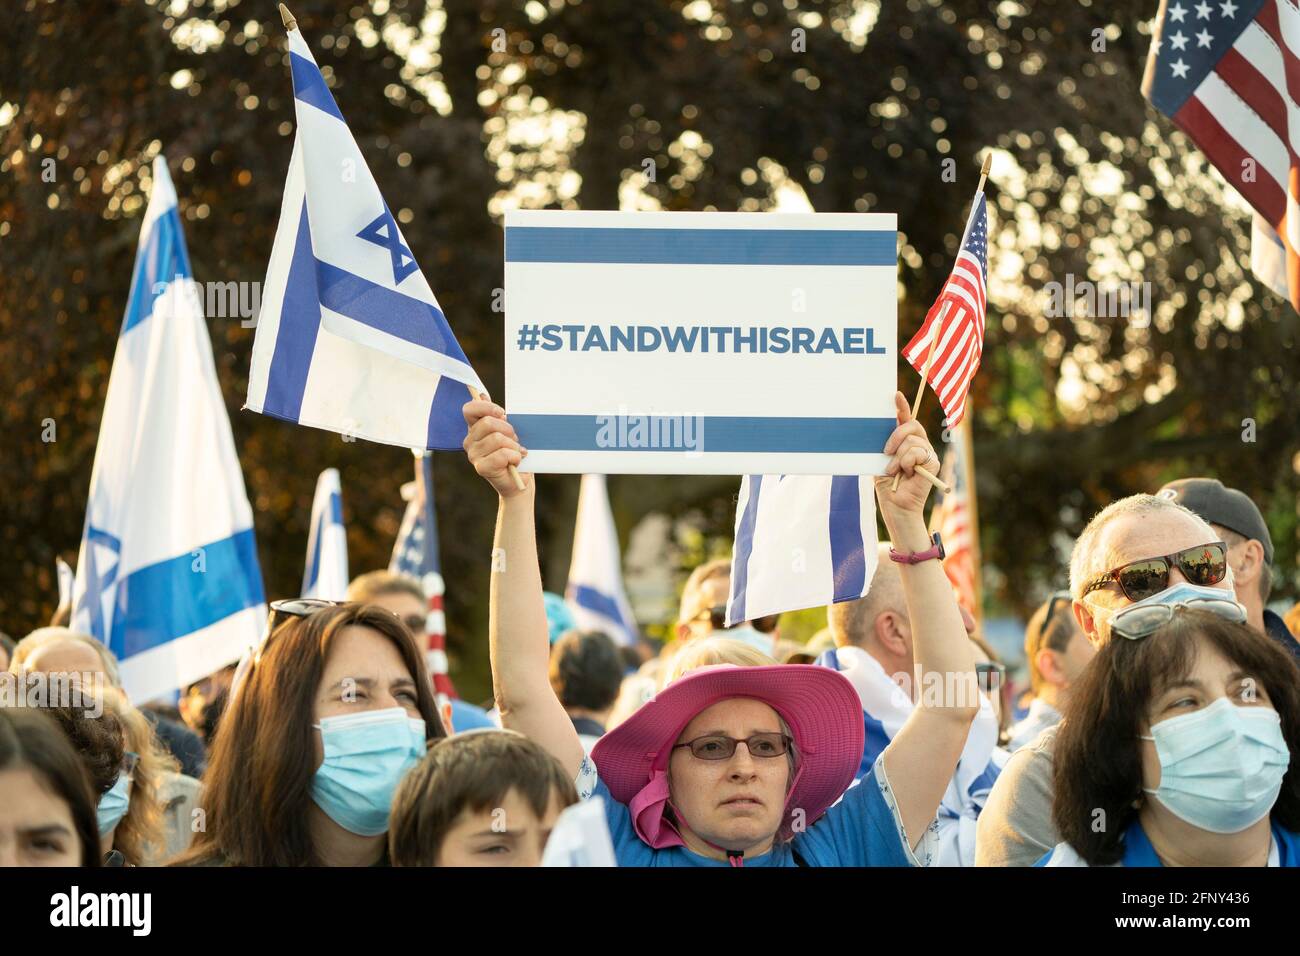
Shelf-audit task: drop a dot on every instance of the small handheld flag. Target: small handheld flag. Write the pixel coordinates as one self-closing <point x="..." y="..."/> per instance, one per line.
<point x="350" y="337"/>
<point x="595" y="588"/>
<point x="326" y="573"/>
<point x="801" y="541"/>
<point x="946" y="350"/>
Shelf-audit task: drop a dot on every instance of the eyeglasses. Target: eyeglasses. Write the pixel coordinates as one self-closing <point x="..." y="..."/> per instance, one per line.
<point x="720" y="747"/>
<point x="991" y="676"/>
<point x="1136" y="623"/>
<point x="130" y="761"/>
<point x="1059" y="597"/>
<point x="717" y="616"/>
<point x="718" y="619"/>
<point x="1205" y="564"/>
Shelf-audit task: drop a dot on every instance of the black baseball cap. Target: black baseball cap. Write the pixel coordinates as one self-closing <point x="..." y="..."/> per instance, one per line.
<point x="1227" y="507"/>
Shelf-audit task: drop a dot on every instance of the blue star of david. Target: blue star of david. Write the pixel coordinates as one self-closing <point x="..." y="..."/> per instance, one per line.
<point x="383" y="232"/>
<point x="97" y="583"/>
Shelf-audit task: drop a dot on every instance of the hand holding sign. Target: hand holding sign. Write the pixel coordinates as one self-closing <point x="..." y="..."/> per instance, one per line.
<point x="493" y="448"/>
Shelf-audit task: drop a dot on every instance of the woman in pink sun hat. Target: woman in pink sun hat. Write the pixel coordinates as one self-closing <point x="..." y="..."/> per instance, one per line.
<point x="744" y="766"/>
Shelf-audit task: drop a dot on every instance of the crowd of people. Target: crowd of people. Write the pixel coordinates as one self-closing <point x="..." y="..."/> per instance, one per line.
<point x="1158" y="728"/>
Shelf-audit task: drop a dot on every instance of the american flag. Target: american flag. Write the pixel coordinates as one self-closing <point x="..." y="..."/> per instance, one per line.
<point x="1228" y="74"/>
<point x="951" y="517"/>
<point x="957" y="316"/>
<point x="416" y="555"/>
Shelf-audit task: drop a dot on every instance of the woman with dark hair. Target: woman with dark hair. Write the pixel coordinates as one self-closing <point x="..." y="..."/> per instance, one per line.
<point x="335" y="706"/>
<point x="47" y="805"/>
<point x="1177" y="744"/>
<point x="101" y="743"/>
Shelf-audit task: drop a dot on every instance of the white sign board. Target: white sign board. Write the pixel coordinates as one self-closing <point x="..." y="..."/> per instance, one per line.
<point x="701" y="343"/>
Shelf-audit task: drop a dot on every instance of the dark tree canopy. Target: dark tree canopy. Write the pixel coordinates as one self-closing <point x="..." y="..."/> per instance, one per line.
<point x="466" y="108"/>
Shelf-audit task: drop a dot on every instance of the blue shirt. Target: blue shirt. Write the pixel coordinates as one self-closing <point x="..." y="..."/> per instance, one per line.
<point x="1138" y="851"/>
<point x="862" y="829"/>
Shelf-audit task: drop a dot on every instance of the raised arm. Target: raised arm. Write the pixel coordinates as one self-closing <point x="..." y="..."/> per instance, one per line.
<point x="517" y="631"/>
<point x="922" y="757"/>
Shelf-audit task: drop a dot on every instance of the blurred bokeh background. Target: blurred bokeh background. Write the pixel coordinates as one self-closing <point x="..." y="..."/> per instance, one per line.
<point x="467" y="108"/>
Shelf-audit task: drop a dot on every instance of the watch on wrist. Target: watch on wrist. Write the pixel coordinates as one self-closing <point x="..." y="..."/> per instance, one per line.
<point x="916" y="557"/>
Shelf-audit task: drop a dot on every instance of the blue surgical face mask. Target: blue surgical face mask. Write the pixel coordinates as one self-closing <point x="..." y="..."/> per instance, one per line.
<point x="1221" y="767"/>
<point x="365" y="757"/>
<point x="1179" y="593"/>
<point x="113" y="804"/>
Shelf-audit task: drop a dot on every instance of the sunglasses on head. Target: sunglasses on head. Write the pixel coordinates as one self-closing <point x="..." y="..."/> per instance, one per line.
<point x="721" y="747"/>
<point x="281" y="611"/>
<point x="1136" y="623"/>
<point x="1205" y="564"/>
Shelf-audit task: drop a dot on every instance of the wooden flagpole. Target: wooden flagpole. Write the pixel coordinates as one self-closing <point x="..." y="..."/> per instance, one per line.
<point x="934" y="339"/>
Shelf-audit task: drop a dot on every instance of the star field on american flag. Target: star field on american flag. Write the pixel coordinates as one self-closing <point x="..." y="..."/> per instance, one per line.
<point x="1223" y="72"/>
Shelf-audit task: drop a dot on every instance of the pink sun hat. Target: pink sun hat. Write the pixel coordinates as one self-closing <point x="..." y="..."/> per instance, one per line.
<point x="818" y="704"/>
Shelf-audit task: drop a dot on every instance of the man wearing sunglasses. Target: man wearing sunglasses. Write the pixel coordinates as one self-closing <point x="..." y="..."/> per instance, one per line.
<point x="1237" y="521"/>
<point x="1133" y="550"/>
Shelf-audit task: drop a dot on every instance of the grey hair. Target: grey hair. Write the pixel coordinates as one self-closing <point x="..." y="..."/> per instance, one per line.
<point x="45" y="636"/>
<point x="1088" y="560"/>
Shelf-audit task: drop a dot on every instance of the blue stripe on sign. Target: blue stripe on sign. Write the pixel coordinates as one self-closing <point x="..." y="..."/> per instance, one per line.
<point x="170" y="599"/>
<point x="161" y="259"/>
<point x="733" y="247"/>
<point x="387" y="310"/>
<point x="295" y="339"/>
<point x="744" y="548"/>
<point x="584" y="595"/>
<point x="309" y="86"/>
<point x="336" y="507"/>
<point x="847" y="558"/>
<point x="710" y="434"/>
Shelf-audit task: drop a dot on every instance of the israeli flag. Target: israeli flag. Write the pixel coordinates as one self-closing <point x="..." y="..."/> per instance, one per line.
<point x="326" y="575"/>
<point x="167" y="575"/>
<point x="801" y="541"/>
<point x="595" y="589"/>
<point x="350" y="337"/>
